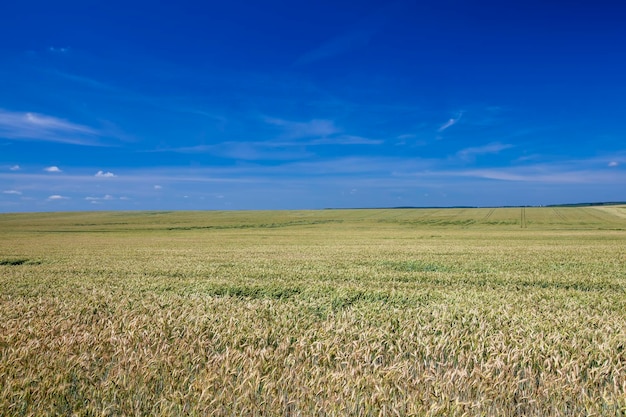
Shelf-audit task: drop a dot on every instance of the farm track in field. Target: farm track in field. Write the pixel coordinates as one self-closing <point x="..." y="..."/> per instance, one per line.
<point x="602" y="216"/>
<point x="523" y="223"/>
<point x="489" y="214"/>
<point x="559" y="214"/>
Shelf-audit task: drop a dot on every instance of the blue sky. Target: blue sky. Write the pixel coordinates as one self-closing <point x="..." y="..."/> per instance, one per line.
<point x="108" y="105"/>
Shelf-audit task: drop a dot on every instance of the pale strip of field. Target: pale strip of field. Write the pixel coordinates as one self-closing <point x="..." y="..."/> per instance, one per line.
<point x="493" y="218"/>
<point x="615" y="211"/>
<point x="332" y="312"/>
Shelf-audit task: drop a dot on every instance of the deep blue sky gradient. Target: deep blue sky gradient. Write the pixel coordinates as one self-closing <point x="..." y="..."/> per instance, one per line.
<point x="280" y="105"/>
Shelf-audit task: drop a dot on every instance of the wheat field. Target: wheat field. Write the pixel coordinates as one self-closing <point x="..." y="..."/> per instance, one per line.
<point x="400" y="312"/>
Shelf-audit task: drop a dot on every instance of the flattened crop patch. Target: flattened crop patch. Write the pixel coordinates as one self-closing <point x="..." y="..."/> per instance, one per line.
<point x="416" y="266"/>
<point x="253" y="292"/>
<point x="19" y="261"/>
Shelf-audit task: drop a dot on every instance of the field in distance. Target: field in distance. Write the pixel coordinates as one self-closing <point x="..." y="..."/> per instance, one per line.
<point x="494" y="311"/>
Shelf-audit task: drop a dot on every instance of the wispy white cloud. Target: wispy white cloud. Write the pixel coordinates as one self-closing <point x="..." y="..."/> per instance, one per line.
<point x="491" y="148"/>
<point x="35" y="126"/>
<point x="274" y="150"/>
<point x="406" y="136"/>
<point x="158" y="187"/>
<point x="315" y="132"/>
<point x="410" y="139"/>
<point x="14" y="168"/>
<point x="49" y="122"/>
<point x="58" y="50"/>
<point x="526" y="175"/>
<point x="337" y="46"/>
<point x="346" y="140"/>
<point x="248" y="151"/>
<point x="544" y="174"/>
<point x="289" y="141"/>
<point x="355" y="37"/>
<point x="259" y="151"/>
<point x="84" y="81"/>
<point x="446" y="125"/>
<point x="57" y="197"/>
<point x="312" y="128"/>
<point x="53" y="169"/>
<point x="103" y="174"/>
<point x="451" y="122"/>
<point x="96" y="200"/>
<point x="613" y="163"/>
<point x="14" y="192"/>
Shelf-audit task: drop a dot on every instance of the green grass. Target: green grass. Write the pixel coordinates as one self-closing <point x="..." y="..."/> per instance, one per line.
<point x="331" y="312"/>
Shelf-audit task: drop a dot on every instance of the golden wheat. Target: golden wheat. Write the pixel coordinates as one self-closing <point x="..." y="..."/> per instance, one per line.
<point x="330" y="313"/>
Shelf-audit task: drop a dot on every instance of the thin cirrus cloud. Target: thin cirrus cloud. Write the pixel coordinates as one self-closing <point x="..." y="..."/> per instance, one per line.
<point x="547" y="174"/>
<point x="83" y="81"/>
<point x="290" y="142"/>
<point x="58" y="50"/>
<point x="57" y="197"/>
<point x="41" y="127"/>
<point x="451" y="122"/>
<point x="247" y="151"/>
<point x="53" y="169"/>
<point x="337" y="46"/>
<point x="257" y="151"/>
<point x="526" y="175"/>
<point x="491" y="148"/>
<point x="272" y="150"/>
<point x="14" y="168"/>
<point x="13" y="192"/>
<point x="103" y="174"/>
<point x="357" y="37"/>
<point x="295" y="130"/>
<point x="320" y="131"/>
<point x="346" y="140"/>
